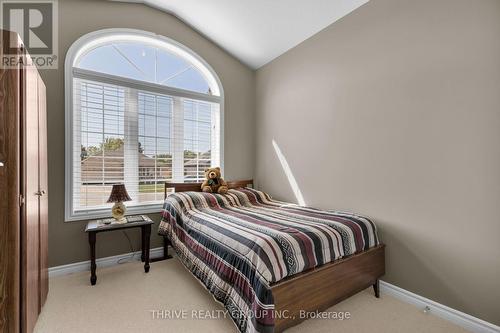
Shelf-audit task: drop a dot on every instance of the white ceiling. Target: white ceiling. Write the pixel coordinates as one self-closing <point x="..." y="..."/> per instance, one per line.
<point x="257" y="31"/>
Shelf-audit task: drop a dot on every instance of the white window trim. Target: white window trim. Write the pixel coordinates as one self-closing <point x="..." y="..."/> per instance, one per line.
<point x="94" y="39"/>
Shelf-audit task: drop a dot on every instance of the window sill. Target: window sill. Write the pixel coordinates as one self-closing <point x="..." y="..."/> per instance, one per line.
<point x="91" y="214"/>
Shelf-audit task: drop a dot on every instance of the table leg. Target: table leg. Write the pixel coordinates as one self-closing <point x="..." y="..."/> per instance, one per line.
<point x="93" y="277"/>
<point x="165" y="256"/>
<point x="166" y="243"/>
<point x="147" y="231"/>
<point x="143" y="243"/>
<point x="376" y="288"/>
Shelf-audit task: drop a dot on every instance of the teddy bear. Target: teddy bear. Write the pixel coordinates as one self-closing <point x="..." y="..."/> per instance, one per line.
<point x="214" y="182"/>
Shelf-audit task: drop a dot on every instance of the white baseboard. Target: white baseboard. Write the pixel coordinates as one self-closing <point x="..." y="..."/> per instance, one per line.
<point x="101" y="262"/>
<point x="464" y="320"/>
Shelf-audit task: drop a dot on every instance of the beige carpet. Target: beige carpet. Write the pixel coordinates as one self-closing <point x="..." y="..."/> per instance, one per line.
<point x="125" y="297"/>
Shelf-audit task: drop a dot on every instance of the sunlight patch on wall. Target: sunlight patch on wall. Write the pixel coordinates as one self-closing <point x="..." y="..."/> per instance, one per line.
<point x="289" y="175"/>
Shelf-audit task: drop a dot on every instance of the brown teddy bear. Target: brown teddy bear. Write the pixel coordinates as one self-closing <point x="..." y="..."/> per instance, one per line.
<point x="214" y="182"/>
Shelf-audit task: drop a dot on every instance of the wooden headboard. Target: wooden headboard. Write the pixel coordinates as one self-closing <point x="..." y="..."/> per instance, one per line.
<point x="196" y="187"/>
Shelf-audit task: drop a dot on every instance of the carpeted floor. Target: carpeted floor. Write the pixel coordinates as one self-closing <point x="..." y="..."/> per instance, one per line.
<point x="126" y="299"/>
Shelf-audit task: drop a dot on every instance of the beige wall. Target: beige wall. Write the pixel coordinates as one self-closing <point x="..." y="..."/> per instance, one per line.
<point x="394" y="112"/>
<point x="68" y="242"/>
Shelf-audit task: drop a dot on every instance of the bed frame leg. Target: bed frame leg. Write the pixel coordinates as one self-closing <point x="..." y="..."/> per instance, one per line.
<point x="166" y="256"/>
<point x="376" y="288"/>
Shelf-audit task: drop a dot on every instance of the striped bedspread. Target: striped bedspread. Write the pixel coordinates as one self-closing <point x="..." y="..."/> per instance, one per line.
<point x="240" y="243"/>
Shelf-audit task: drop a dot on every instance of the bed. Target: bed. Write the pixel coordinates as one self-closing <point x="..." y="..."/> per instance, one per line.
<point x="269" y="262"/>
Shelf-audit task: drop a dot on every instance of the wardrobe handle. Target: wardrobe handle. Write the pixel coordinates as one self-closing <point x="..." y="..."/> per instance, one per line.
<point x="1" y="164"/>
<point x="41" y="193"/>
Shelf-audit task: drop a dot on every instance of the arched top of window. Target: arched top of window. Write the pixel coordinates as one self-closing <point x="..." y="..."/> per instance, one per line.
<point x="143" y="56"/>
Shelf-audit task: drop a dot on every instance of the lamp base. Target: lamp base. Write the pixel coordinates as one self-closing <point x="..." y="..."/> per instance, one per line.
<point x="118" y="212"/>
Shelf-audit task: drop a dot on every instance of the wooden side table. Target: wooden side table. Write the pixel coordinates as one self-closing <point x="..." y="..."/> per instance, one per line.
<point x="136" y="221"/>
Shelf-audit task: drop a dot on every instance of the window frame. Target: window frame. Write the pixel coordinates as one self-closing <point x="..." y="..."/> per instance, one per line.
<point x="95" y="39"/>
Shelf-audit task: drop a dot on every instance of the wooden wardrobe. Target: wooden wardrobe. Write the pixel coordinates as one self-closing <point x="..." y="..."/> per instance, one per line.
<point x="23" y="191"/>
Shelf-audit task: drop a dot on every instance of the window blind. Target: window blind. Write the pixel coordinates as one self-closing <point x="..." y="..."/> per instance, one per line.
<point x="140" y="138"/>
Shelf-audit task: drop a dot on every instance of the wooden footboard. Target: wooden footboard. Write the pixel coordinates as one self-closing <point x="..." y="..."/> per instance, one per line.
<point x="320" y="288"/>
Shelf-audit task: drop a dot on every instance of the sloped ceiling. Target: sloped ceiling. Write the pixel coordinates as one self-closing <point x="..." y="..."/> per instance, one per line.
<point x="256" y="31"/>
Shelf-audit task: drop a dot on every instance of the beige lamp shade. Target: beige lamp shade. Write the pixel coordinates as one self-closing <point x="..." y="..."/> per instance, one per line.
<point x="119" y="194"/>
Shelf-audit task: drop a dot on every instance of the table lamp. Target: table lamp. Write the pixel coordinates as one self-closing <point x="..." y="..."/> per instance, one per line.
<point x="118" y="195"/>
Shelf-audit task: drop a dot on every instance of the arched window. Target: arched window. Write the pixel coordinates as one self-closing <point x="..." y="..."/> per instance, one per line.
<point x="141" y="110"/>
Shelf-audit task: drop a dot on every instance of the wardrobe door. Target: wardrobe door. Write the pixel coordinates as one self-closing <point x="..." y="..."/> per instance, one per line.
<point x="30" y="239"/>
<point x="9" y="194"/>
<point x="44" y="201"/>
